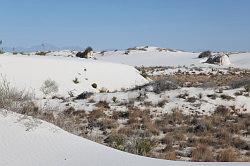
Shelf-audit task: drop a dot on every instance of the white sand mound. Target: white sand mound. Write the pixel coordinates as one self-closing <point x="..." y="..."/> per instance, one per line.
<point x="29" y="72"/>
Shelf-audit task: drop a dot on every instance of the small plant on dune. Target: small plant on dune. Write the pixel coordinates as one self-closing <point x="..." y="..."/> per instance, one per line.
<point x="94" y="85"/>
<point x="42" y="53"/>
<point x="226" y="97"/>
<point x="76" y="81"/>
<point x="144" y="73"/>
<point x="49" y="86"/>
<point x="86" y="54"/>
<point x="11" y="98"/>
<point x="247" y="88"/>
<point x="114" y="99"/>
<point x="205" y="54"/>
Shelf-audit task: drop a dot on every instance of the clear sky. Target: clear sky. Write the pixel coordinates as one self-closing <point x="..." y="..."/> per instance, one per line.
<point x="107" y="24"/>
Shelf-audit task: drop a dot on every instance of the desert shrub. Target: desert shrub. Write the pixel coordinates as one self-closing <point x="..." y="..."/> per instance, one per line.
<point x="224" y="136"/>
<point x="127" y="52"/>
<point x="84" y="95"/>
<point x="200" y="96"/>
<point x="12" y="98"/>
<point x="179" y="135"/>
<point x="30" y="109"/>
<point x="163" y="85"/>
<point x="49" y="86"/>
<point x="183" y="95"/>
<point x="150" y="125"/>
<point x="212" y="96"/>
<point x="95" y="114"/>
<point x="85" y="53"/>
<point x="42" y="53"/>
<point x="108" y="123"/>
<point x="205" y="54"/>
<point x="200" y="128"/>
<point x="158" y="86"/>
<point x="114" y="99"/>
<point x="76" y="81"/>
<point x="191" y="99"/>
<point x="177" y="115"/>
<point x="126" y="131"/>
<point x="120" y="114"/>
<point x="222" y="111"/>
<point x="208" y="140"/>
<point x="80" y="55"/>
<point x="94" y="85"/>
<point x="143" y="146"/>
<point x="134" y="118"/>
<point x="162" y="103"/>
<point x="168" y="141"/>
<point x="102" y="104"/>
<point x="171" y="155"/>
<point x="227" y="155"/>
<point x="226" y="97"/>
<point x="116" y="141"/>
<point x="247" y="87"/>
<point x="88" y="50"/>
<point x="239" y="93"/>
<point x="47" y="116"/>
<point x="202" y="153"/>
<point x="240" y="83"/>
<point x="132" y="48"/>
<point x="240" y="144"/>
<point x="144" y="73"/>
<point x="69" y="111"/>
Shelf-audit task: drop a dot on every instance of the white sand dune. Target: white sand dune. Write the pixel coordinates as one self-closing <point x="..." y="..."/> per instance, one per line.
<point x="29" y="72"/>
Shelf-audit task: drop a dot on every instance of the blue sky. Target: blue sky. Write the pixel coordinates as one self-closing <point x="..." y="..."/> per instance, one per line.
<point x="107" y="24"/>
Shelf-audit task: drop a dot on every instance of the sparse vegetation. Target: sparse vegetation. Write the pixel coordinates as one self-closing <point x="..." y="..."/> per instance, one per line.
<point x="148" y="124"/>
<point x="94" y="85"/>
<point x="76" y="81"/>
<point x="86" y="53"/>
<point x="49" y="86"/>
<point x="42" y="53"/>
<point x="205" y="54"/>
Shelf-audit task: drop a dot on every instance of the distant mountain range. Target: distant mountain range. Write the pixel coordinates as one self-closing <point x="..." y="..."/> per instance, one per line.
<point x="42" y="47"/>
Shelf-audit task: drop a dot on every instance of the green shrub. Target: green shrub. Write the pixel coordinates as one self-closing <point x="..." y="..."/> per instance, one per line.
<point x="116" y="141"/>
<point x="143" y="146"/>
<point x="205" y="54"/>
<point x="41" y="53"/>
<point x="76" y="81"/>
<point x="94" y="85"/>
<point x="247" y="87"/>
